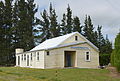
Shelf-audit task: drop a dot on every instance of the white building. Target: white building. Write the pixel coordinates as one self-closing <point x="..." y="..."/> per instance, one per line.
<point x="71" y="50"/>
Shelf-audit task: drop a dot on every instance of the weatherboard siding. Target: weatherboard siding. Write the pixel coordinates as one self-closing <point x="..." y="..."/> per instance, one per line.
<point x="72" y="39"/>
<point x="56" y="57"/>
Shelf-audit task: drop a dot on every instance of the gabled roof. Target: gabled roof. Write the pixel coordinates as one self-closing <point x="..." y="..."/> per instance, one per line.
<point x="55" y="42"/>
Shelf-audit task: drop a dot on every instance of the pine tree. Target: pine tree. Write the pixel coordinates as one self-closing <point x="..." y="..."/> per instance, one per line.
<point x="2" y="32"/>
<point x="8" y="30"/>
<point x="15" y="26"/>
<point x="63" y="25"/>
<point x="31" y="22"/>
<point x="85" y="29"/>
<point x="24" y="23"/>
<point x="69" y="20"/>
<point x="89" y="30"/>
<point x="100" y="36"/>
<point x="54" y="27"/>
<point x="95" y="37"/>
<point x="76" y="25"/>
<point x="44" y="27"/>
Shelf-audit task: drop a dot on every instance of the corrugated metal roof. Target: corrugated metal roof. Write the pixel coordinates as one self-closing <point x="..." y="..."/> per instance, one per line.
<point x="54" y="42"/>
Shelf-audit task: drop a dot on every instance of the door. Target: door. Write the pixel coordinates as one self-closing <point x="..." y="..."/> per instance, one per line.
<point x="18" y="60"/>
<point x="69" y="58"/>
<point x="27" y="60"/>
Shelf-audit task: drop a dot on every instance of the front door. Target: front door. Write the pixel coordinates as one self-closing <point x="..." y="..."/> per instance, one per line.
<point x="18" y="60"/>
<point x="27" y="60"/>
<point x="68" y="60"/>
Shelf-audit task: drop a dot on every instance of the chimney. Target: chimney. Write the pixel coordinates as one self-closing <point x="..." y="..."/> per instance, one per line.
<point x="19" y="50"/>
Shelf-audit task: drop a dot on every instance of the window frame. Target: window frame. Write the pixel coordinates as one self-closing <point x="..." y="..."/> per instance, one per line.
<point x="87" y="60"/>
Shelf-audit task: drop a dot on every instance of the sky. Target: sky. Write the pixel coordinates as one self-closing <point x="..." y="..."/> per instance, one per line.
<point x="102" y="12"/>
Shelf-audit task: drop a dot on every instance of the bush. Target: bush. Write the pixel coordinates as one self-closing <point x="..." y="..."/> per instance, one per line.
<point x="104" y="59"/>
<point x="113" y="58"/>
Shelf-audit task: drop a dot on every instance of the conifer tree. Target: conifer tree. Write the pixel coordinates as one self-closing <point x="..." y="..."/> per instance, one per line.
<point x="69" y="20"/>
<point x="24" y="26"/>
<point x="76" y="25"/>
<point x="32" y="22"/>
<point x="2" y="32"/>
<point x="15" y="26"/>
<point x="100" y="37"/>
<point x="89" y="30"/>
<point x="85" y="29"/>
<point x="7" y="30"/>
<point x="44" y="26"/>
<point x="63" y="25"/>
<point x="54" y="27"/>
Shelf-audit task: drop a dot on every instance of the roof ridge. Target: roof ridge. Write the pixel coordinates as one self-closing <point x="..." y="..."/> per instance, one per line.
<point x="53" y="42"/>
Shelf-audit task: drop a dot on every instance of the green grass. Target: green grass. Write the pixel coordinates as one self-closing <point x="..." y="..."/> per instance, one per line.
<point x="27" y="74"/>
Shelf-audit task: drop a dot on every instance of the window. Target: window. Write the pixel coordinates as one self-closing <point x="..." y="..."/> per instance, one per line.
<point x="76" y="38"/>
<point x="47" y="52"/>
<point x="38" y="56"/>
<point x="31" y="56"/>
<point x="24" y="56"/>
<point x="87" y="56"/>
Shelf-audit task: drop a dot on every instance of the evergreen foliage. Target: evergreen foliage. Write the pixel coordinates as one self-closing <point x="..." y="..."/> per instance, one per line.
<point x="115" y="56"/>
<point x="44" y="26"/>
<point x="89" y="30"/>
<point x="69" y="20"/>
<point x="76" y="25"/>
<point x="63" y="25"/>
<point x="16" y="28"/>
<point x="25" y="23"/>
<point x="54" y="27"/>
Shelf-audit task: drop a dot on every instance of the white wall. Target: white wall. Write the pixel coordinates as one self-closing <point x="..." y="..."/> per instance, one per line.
<point x="56" y="57"/>
<point x="34" y="63"/>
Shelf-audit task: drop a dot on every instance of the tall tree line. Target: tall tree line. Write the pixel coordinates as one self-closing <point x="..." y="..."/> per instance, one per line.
<point x="17" y="22"/>
<point x="19" y="28"/>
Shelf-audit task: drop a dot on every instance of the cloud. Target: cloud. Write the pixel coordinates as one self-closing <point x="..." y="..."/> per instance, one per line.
<point x="103" y="12"/>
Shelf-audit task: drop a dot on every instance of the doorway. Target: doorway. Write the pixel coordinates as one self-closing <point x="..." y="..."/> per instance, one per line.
<point x="69" y="58"/>
<point x="18" y="60"/>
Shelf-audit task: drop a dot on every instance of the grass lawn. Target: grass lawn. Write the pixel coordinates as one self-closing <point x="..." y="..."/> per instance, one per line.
<point x="27" y="74"/>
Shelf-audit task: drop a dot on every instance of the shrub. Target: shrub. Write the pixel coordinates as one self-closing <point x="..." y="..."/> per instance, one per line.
<point x="104" y="59"/>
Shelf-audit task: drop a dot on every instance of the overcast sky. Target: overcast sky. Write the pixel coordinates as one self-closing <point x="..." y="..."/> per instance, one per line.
<point x="102" y="12"/>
